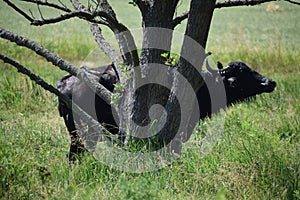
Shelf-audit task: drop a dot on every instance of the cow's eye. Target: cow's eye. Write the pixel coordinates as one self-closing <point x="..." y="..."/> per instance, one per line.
<point x="232" y="81"/>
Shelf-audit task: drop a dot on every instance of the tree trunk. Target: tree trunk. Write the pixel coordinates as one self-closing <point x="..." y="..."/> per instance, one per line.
<point x="199" y="20"/>
<point x="157" y="19"/>
<point x="191" y="60"/>
<point x="158" y="85"/>
<point x="155" y="85"/>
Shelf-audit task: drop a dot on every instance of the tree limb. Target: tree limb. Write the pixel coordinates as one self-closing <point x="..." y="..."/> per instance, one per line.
<point x="48" y="4"/>
<point x="293" y="2"/>
<point x="108" y="18"/>
<point x="102" y="43"/>
<point x="108" y="50"/>
<point x="80" y="14"/>
<point x="37" y="79"/>
<point x="122" y="33"/>
<point x="59" y="62"/>
<point x="106" y="6"/>
<point x="230" y="3"/>
<point x="18" y="10"/>
<point x="179" y="19"/>
<point x="71" y="105"/>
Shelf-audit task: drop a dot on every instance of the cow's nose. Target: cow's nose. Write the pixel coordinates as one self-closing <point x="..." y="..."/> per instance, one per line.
<point x="269" y="82"/>
<point x="269" y="85"/>
<point x="272" y="83"/>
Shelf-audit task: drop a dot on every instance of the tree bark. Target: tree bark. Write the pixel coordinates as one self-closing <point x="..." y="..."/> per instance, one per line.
<point x="191" y="60"/>
<point x="157" y="18"/>
<point x="160" y="14"/>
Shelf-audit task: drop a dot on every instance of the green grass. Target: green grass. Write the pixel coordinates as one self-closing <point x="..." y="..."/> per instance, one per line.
<point x="257" y="156"/>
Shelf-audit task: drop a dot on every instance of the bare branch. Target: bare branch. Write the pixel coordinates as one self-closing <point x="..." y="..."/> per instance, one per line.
<point x="179" y="19"/>
<point x="18" y="10"/>
<point x="293" y="2"/>
<point x="49" y="4"/>
<point x="108" y="18"/>
<point x="108" y="50"/>
<point x="38" y="49"/>
<point x="102" y="43"/>
<point x="32" y="15"/>
<point x="41" y="14"/>
<point x="123" y="35"/>
<point x="80" y="14"/>
<point x="36" y="79"/>
<point x="99" y="89"/>
<point x="105" y="6"/>
<point x="240" y="3"/>
<point x="71" y="105"/>
<point x="71" y="14"/>
<point x="63" y="5"/>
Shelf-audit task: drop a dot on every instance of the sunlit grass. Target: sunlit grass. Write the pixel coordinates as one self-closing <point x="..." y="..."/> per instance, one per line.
<point x="257" y="156"/>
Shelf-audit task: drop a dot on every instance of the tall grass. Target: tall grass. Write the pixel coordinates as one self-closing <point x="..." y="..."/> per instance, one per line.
<point x="257" y="156"/>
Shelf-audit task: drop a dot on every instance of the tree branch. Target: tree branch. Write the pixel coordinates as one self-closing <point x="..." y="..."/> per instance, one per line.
<point x="71" y="105"/>
<point x="102" y="43"/>
<point x="80" y="14"/>
<point x="38" y="49"/>
<point x="240" y="3"/>
<point x="293" y="2"/>
<point x="37" y="79"/>
<point x="179" y="19"/>
<point x="108" y="18"/>
<point x="123" y="35"/>
<point x="18" y="10"/>
<point x="48" y="4"/>
<point x="59" y="62"/>
<point x="108" y="50"/>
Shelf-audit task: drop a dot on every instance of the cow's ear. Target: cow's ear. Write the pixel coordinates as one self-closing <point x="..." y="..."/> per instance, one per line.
<point x="219" y="65"/>
<point x="232" y="82"/>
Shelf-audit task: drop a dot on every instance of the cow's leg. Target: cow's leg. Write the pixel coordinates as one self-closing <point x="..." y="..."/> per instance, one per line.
<point x="76" y="147"/>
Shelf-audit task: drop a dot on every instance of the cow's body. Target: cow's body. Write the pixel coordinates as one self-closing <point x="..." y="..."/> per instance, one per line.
<point x="240" y="83"/>
<point x="79" y="92"/>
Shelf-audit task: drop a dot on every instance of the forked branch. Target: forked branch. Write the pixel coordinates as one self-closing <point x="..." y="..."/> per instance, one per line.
<point x="125" y="39"/>
<point x="16" y="8"/>
<point x="106" y="17"/>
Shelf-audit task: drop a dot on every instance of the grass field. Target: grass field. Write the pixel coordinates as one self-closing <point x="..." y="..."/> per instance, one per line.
<point x="256" y="158"/>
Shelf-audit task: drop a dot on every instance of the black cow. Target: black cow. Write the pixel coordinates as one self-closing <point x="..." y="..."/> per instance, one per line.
<point x="240" y="83"/>
<point x="79" y="91"/>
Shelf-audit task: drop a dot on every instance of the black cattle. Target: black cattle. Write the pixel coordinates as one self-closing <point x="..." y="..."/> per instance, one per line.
<point x="80" y="93"/>
<point x="240" y="83"/>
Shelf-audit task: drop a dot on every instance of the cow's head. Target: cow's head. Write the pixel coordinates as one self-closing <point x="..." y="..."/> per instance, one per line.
<point x="242" y="82"/>
<point x="109" y="78"/>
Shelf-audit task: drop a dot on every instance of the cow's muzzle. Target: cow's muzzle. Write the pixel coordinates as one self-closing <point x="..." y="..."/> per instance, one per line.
<point x="268" y="85"/>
